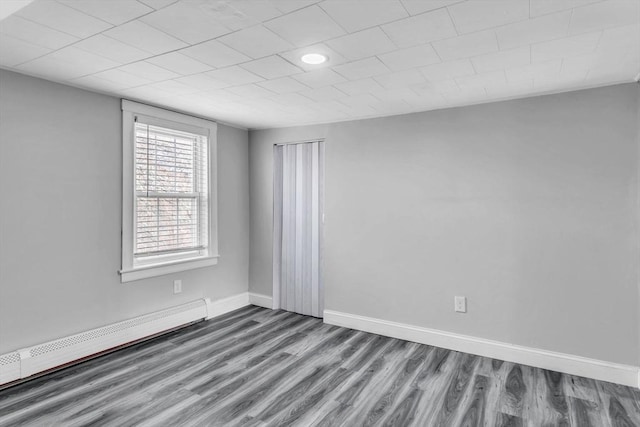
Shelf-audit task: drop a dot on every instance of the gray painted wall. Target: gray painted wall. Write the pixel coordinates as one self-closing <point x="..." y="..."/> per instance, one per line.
<point x="60" y="217"/>
<point x="529" y="208"/>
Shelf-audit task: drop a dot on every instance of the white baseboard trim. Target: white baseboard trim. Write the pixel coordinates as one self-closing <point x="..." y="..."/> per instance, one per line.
<point x="261" y="300"/>
<point x="570" y="364"/>
<point x="26" y="362"/>
<point x="225" y="305"/>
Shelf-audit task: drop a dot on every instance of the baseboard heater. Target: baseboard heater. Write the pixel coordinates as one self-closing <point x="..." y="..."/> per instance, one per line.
<point x="26" y="362"/>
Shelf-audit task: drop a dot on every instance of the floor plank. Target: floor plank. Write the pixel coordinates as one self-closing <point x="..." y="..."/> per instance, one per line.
<point x="265" y="368"/>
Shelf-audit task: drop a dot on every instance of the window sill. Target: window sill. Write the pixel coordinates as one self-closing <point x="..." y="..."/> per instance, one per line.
<point x="147" y="271"/>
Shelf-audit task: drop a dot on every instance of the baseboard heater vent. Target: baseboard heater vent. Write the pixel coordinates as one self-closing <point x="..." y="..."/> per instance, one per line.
<point x="9" y="367"/>
<point x="30" y="361"/>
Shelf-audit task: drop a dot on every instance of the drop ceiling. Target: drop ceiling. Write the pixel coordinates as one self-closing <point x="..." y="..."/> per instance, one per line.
<point x="238" y="61"/>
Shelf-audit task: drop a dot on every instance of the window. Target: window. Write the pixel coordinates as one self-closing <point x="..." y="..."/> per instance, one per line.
<point x="169" y="202"/>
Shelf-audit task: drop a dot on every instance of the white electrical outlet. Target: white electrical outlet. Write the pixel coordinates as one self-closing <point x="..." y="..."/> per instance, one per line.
<point x="460" y="304"/>
<point x="177" y="286"/>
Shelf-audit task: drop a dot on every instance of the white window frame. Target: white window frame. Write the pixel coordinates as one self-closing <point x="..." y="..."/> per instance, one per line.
<point x="161" y="265"/>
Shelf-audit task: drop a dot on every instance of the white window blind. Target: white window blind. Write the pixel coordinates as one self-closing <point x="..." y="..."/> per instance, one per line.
<point x="171" y="203"/>
<point x="169" y="198"/>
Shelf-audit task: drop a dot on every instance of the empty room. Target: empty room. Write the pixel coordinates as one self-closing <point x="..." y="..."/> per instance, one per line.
<point x="320" y="213"/>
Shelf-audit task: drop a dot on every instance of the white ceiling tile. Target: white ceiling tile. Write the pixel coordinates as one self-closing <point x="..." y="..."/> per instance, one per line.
<point x="544" y="28"/>
<point x="362" y="69"/>
<point x="620" y="41"/>
<point x="553" y="82"/>
<point x="570" y="71"/>
<point x="410" y="57"/>
<point x="122" y="78"/>
<point x="15" y="51"/>
<point x="395" y="95"/>
<point x="179" y="63"/>
<point x="415" y="7"/>
<point x="63" y="18"/>
<point x="112" y="49"/>
<point x="234" y="76"/>
<point x="440" y="86"/>
<point x="147" y="93"/>
<point x="536" y="70"/>
<point x="317" y="113"/>
<point x="283" y="85"/>
<point x="626" y="70"/>
<point x="400" y="79"/>
<point x="359" y="101"/>
<point x="260" y="103"/>
<point x="362" y="44"/>
<point x="149" y="71"/>
<point x="415" y="101"/>
<point x="320" y="78"/>
<point x="294" y="56"/>
<point x="620" y="38"/>
<point x="305" y="26"/>
<point x="508" y="90"/>
<point x="465" y="97"/>
<point x="287" y="6"/>
<point x="476" y="15"/>
<point x="256" y="42"/>
<point x="482" y="80"/>
<point x="357" y="87"/>
<point x="145" y="37"/>
<point x="426" y="103"/>
<point x="503" y="59"/>
<point x="629" y="62"/>
<point x="580" y="64"/>
<point x="214" y="97"/>
<point x="358" y="15"/>
<point x="215" y="54"/>
<point x="392" y="105"/>
<point x="115" y="12"/>
<point x="10" y="7"/>
<point x="250" y="91"/>
<point x="271" y="67"/>
<point x="421" y="29"/>
<point x="93" y="82"/>
<point x="330" y="106"/>
<point x="35" y="33"/>
<point x="627" y="66"/>
<point x="424" y="89"/>
<point x="467" y="46"/>
<point x="607" y="76"/>
<point x="196" y="98"/>
<point x="543" y="7"/>
<point x="360" y="105"/>
<point x="448" y="70"/>
<point x="294" y="99"/>
<point x="569" y="46"/>
<point x="68" y="63"/>
<point x="519" y="86"/>
<point x="237" y="15"/>
<point x="202" y="82"/>
<point x="191" y="22"/>
<point x="157" y="4"/>
<point x="228" y="107"/>
<point x="348" y="111"/>
<point x="606" y="14"/>
<point x="327" y="93"/>
<point x="172" y="87"/>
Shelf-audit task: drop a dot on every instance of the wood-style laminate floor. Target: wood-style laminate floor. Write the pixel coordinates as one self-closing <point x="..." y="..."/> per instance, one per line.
<point x="257" y="367"/>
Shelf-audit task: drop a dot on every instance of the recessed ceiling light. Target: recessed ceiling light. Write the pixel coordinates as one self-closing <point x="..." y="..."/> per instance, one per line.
<point x="313" y="58"/>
